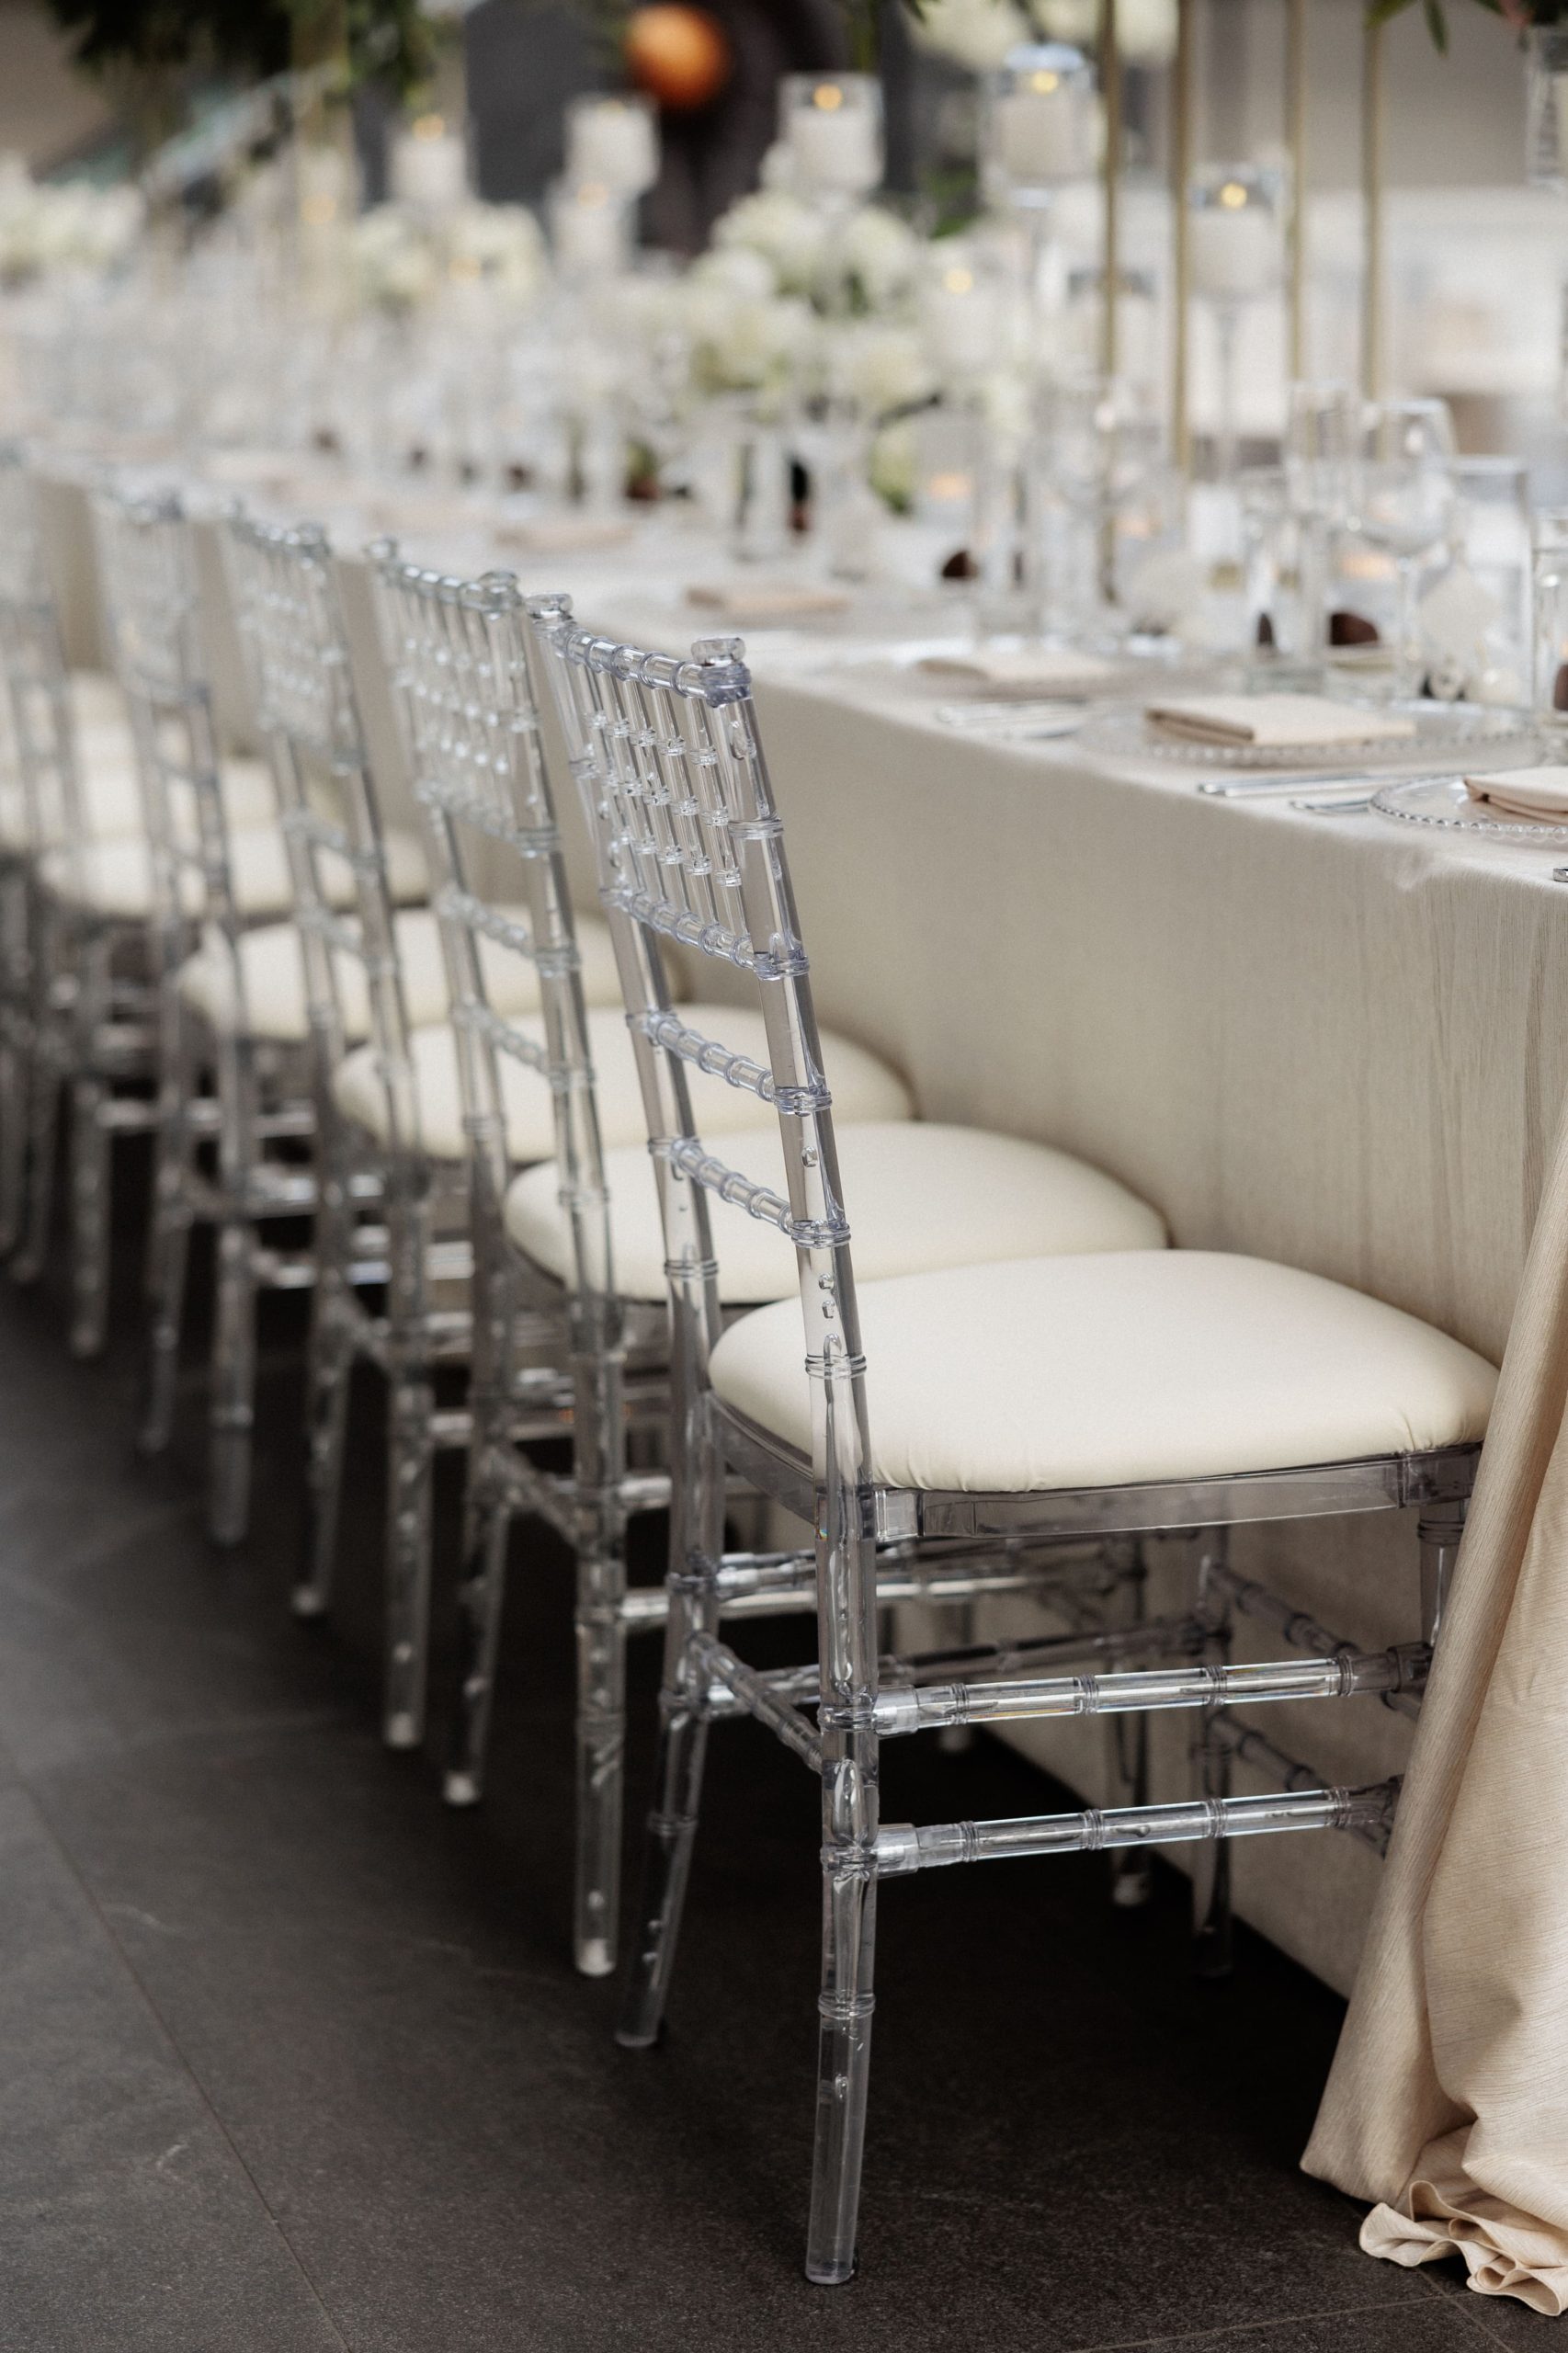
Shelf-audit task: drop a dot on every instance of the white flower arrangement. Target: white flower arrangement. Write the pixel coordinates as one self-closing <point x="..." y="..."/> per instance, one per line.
<point x="787" y="233"/>
<point x="401" y="258"/>
<point x="48" y="228"/>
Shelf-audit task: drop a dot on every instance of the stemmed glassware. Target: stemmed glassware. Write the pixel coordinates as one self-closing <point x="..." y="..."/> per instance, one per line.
<point x="1237" y="258"/>
<point x="1404" y="503"/>
<point x="1321" y="436"/>
<point x="1037" y="136"/>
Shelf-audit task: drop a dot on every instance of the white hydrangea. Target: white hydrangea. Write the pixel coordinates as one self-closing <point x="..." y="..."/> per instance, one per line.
<point x="739" y="270"/>
<point x="746" y="344"/>
<point x="786" y="231"/>
<point x="881" y="367"/>
<point x="395" y="266"/>
<point x="975" y="34"/>
<point x="50" y="226"/>
<point x="881" y="254"/>
<point x="1145" y="29"/>
<point x="500" y="244"/>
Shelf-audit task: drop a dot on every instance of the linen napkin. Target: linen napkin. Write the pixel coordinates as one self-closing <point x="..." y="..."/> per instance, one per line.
<point x="1024" y="674"/>
<point x="561" y="534"/>
<point x="1275" y="720"/>
<point x="759" y="604"/>
<point x="1524" y="792"/>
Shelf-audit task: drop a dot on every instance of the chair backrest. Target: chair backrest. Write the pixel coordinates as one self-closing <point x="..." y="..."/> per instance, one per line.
<point x="36" y="680"/>
<point x="152" y="595"/>
<point x="458" y="653"/>
<point x="289" y="607"/>
<point x="691" y="848"/>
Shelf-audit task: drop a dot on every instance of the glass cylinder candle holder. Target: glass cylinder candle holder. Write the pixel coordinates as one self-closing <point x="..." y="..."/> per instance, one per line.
<point x="831" y="126"/>
<point x="427" y="168"/>
<point x="612" y="143"/>
<point x="590" y="230"/>
<point x="1546" y="108"/>
<point x="1040" y="127"/>
<point x="1549" y="618"/>
<point x="1236" y="255"/>
<point x="963" y="312"/>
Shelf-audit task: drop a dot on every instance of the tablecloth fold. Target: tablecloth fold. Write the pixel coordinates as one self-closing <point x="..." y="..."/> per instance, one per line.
<point x="1448" y="2100"/>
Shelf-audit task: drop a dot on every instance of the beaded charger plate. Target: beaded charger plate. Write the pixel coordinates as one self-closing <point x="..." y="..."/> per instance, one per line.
<point x="1442" y="800"/>
<point x="1441" y="729"/>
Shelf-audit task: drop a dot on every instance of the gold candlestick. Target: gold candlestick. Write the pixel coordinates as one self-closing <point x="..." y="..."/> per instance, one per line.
<point x="1295" y="135"/>
<point x="1373" y="263"/>
<point x="1110" y="314"/>
<point x="1181" y="232"/>
<point x="1110" y="86"/>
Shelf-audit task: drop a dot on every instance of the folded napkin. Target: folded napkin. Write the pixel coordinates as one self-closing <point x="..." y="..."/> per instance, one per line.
<point x="1031" y="671"/>
<point x="561" y="534"/>
<point x="759" y="604"/>
<point x="1524" y="792"/>
<point x="1275" y="720"/>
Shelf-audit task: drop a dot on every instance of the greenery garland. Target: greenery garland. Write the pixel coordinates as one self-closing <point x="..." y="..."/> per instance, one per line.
<point x="389" y="41"/>
<point x="1523" y="14"/>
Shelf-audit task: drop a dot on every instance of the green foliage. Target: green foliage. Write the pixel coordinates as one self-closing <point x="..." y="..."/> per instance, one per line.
<point x="1521" y="13"/>
<point x="390" y="40"/>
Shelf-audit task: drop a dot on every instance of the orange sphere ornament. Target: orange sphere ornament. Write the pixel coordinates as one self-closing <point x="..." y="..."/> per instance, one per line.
<point x="679" y="56"/>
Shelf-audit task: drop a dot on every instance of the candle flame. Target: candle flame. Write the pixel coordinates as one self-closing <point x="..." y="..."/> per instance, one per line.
<point x="1232" y="196"/>
<point x="1045" y="82"/>
<point x="828" y="95"/>
<point x="593" y="192"/>
<point x="959" y="281"/>
<point x="318" y="211"/>
<point x="427" y="126"/>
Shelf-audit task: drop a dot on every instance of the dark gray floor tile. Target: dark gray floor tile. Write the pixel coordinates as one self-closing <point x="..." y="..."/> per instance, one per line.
<point x="126" y="2219"/>
<point x="1502" y="2320"/>
<point x="1396" y="2328"/>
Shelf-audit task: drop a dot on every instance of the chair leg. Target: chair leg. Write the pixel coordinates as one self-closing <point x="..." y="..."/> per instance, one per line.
<point x="91" y="1151"/>
<point x="1440" y="1529"/>
<point x="43" y="1126"/>
<point x="1127" y="1740"/>
<point x="14" y="1084"/>
<point x="844" y="2068"/>
<point x="233" y="1411"/>
<point x="16" y="1025"/>
<point x="410" y="1476"/>
<point x="488" y="1528"/>
<point x="328" y="1381"/>
<point x="1211" y="1858"/>
<point x="601" y="1750"/>
<point x="667" y="1867"/>
<point x="168" y="1252"/>
<point x="598" y="1465"/>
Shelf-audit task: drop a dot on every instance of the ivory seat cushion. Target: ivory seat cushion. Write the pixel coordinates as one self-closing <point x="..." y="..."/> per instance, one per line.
<point x="918" y="1198"/>
<point x="273" y="963"/>
<point x="111" y="794"/>
<point x="1103" y="1372"/>
<point x="115" y="878"/>
<point x="863" y="1087"/>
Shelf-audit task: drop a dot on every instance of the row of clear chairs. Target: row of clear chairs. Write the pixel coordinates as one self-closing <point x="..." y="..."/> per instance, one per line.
<point x="537" y="1157"/>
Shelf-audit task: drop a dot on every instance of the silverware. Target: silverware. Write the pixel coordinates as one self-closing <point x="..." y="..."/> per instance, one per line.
<point x="1336" y="804"/>
<point x="1245" y="788"/>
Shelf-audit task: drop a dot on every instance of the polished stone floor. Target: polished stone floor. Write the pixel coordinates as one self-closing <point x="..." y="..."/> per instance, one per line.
<point x="291" y="2058"/>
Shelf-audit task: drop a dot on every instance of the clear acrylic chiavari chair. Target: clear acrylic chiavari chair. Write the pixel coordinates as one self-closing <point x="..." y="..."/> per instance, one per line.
<point x="354" y="971"/>
<point x="72" y="1006"/>
<point x="551" y="1356"/>
<point x="973" y="1410"/>
<point x="235" y="1119"/>
<point x="549" y="1243"/>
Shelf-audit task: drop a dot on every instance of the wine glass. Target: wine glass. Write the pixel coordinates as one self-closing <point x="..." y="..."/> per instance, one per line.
<point x="1404" y="503"/>
<point x="1322" y="435"/>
